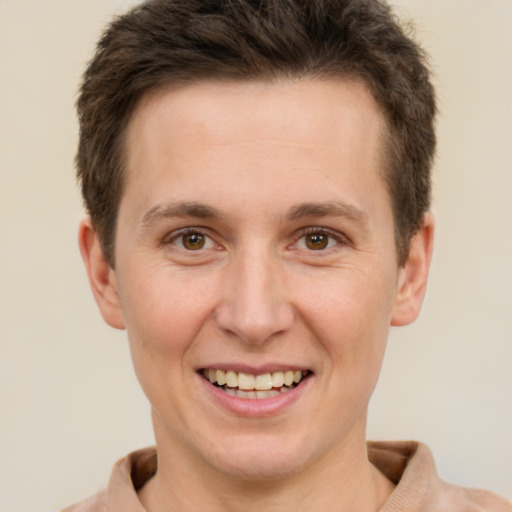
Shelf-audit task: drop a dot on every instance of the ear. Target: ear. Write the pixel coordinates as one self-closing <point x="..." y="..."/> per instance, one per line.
<point x="412" y="278"/>
<point x="102" y="278"/>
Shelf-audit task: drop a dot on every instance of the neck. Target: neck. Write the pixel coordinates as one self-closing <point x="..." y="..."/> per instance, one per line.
<point x="342" y="479"/>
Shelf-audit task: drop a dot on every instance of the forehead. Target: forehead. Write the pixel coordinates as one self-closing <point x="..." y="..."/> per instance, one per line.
<point x="251" y="134"/>
<point x="310" y="108"/>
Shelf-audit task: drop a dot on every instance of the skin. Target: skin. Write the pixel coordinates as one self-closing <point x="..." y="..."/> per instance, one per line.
<point x="270" y="164"/>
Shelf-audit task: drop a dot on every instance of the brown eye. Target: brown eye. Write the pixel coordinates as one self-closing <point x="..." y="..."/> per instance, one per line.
<point x="316" y="241"/>
<point x="193" y="241"/>
<point x="190" y="240"/>
<point x="319" y="239"/>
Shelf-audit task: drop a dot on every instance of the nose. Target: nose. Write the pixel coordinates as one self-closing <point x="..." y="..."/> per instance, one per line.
<point x="254" y="307"/>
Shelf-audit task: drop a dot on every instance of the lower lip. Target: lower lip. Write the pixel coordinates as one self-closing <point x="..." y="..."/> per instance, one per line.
<point x="256" y="407"/>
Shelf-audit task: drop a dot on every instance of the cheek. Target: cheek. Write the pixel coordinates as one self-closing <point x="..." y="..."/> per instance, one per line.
<point x="164" y="316"/>
<point x="164" y="313"/>
<point x="166" y="304"/>
<point x="350" y="319"/>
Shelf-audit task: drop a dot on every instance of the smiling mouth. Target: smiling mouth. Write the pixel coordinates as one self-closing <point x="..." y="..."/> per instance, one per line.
<point x="246" y="385"/>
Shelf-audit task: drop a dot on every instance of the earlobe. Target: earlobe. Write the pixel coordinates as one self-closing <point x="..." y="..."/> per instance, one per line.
<point x="102" y="278"/>
<point x="412" y="281"/>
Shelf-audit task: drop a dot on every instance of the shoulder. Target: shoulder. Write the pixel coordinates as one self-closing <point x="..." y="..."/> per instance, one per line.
<point x="411" y="467"/>
<point x="96" y="503"/>
<point x="128" y="475"/>
<point x="454" y="499"/>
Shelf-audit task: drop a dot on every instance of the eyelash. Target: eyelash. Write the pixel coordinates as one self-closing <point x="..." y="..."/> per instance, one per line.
<point x="172" y="238"/>
<point x="339" y="239"/>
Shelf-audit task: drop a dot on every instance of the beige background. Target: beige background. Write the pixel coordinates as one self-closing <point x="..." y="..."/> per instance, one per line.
<point x="70" y="405"/>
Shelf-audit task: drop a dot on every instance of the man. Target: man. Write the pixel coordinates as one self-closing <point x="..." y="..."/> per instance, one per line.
<point x="257" y="178"/>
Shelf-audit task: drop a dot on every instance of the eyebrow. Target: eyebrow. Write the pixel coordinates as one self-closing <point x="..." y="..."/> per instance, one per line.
<point x="180" y="209"/>
<point x="331" y="208"/>
<point x="303" y="210"/>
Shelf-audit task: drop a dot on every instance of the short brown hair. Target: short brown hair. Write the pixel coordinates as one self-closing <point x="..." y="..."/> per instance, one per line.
<point x="163" y="42"/>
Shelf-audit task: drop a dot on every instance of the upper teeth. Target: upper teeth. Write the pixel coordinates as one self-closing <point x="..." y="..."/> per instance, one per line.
<point x="261" y="382"/>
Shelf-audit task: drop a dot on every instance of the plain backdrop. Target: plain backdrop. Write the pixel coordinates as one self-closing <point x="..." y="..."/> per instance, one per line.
<point x="70" y="404"/>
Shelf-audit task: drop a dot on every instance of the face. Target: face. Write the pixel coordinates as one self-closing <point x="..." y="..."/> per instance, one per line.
<point x="254" y="247"/>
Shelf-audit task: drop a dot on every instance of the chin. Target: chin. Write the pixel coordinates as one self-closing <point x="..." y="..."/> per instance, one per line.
<point x="260" y="458"/>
